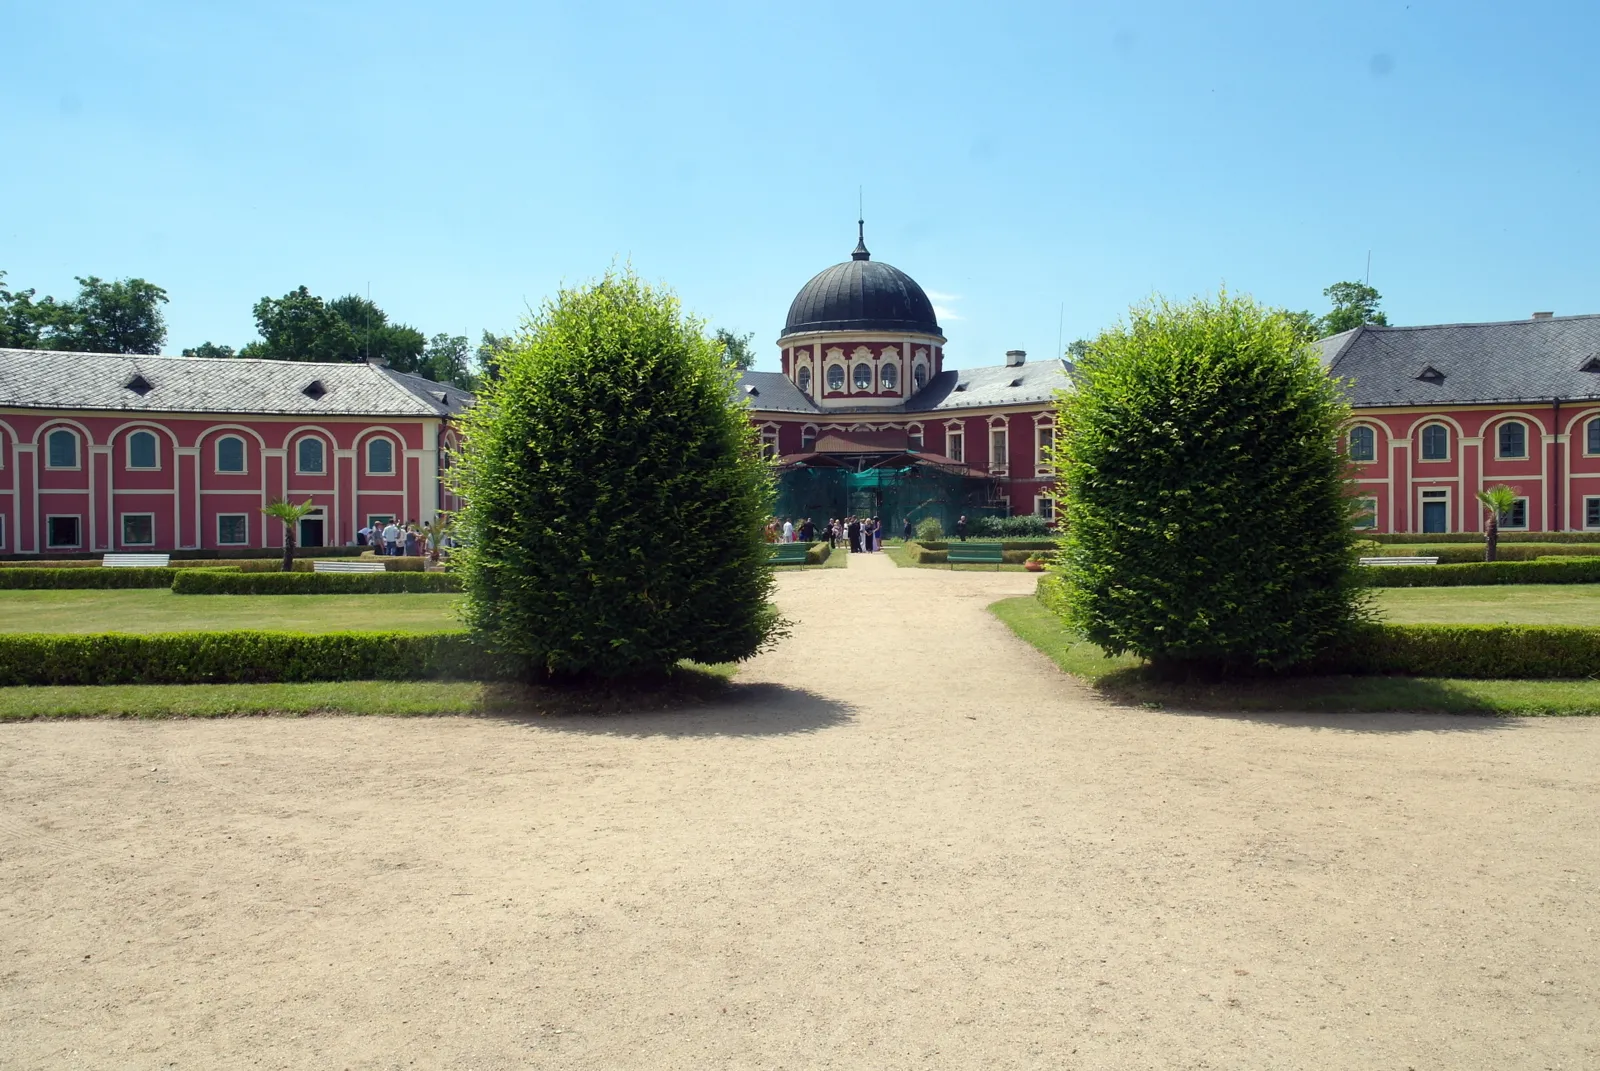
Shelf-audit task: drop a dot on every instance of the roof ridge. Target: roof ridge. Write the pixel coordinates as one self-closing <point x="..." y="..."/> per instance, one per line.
<point x="1484" y="323"/>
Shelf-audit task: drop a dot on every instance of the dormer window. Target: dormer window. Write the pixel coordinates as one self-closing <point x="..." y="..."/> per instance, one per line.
<point x="1431" y="374"/>
<point x="1592" y="364"/>
<point x="1017" y="382"/>
<point x="751" y="391"/>
<point x="314" y="390"/>
<point x="139" y="385"/>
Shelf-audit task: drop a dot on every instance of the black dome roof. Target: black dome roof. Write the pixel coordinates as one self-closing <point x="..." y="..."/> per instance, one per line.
<point x="861" y="294"/>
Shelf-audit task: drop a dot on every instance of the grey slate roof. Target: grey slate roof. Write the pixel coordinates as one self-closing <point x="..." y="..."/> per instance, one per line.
<point x="48" y="379"/>
<point x="1513" y="361"/>
<point x="957" y="388"/>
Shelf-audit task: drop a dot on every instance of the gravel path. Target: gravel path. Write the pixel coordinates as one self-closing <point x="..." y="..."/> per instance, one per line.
<point x="908" y="842"/>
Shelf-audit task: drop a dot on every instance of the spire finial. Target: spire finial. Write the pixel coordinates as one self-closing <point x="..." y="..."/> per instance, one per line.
<point x="860" y="252"/>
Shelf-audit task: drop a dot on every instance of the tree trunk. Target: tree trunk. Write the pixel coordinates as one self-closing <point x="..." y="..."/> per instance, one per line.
<point x="1491" y="536"/>
<point x="288" y="548"/>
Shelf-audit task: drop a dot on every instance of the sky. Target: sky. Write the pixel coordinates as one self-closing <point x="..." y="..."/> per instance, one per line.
<point x="1038" y="168"/>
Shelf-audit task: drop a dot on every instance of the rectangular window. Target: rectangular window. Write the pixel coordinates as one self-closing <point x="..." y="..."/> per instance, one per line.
<point x="914" y="439"/>
<point x="230" y="454"/>
<point x="1513" y="440"/>
<point x="233" y="529"/>
<point x="138" y="529"/>
<point x="61" y="531"/>
<point x="142" y="450"/>
<point x="1518" y="517"/>
<point x="1591" y="513"/>
<point x="309" y="454"/>
<point x="1366" y="513"/>
<point x="62" y="449"/>
<point x="769" y="442"/>
<point x="1047" y="442"/>
<point x="997" y="448"/>
<point x="958" y="445"/>
<point x="1045" y="507"/>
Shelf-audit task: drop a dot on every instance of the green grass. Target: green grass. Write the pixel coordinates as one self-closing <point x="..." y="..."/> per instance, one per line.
<point x="383" y="698"/>
<point x="838" y="559"/>
<point x="159" y="610"/>
<point x="898" y="555"/>
<point x="1509" y="604"/>
<point x="1124" y="678"/>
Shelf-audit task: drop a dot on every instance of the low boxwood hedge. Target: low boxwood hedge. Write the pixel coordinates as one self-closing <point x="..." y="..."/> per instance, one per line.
<point x="939" y="553"/>
<point x="1460" y="554"/>
<point x="818" y="553"/>
<point x="240" y="658"/>
<point x="64" y="579"/>
<point x="207" y="582"/>
<point x="1556" y="570"/>
<point x="225" y="553"/>
<point x="1477" y="537"/>
<point x="1484" y="652"/>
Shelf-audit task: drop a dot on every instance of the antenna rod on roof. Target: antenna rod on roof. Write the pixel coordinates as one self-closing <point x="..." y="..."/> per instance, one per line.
<point x="1369" y="267"/>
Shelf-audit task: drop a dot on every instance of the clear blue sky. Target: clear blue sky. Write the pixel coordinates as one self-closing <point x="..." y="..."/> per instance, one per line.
<point x="464" y="159"/>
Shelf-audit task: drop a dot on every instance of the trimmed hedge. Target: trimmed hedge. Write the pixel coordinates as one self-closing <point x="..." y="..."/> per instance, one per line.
<point x="79" y="579"/>
<point x="1477" y="537"/>
<point x="818" y="553"/>
<point x="1556" y="570"/>
<point x="1010" y="554"/>
<point x="1484" y="652"/>
<point x="394" y="563"/>
<point x="225" y="553"/>
<point x="198" y="582"/>
<point x="1021" y="527"/>
<point x="1459" y="554"/>
<point x="240" y="658"/>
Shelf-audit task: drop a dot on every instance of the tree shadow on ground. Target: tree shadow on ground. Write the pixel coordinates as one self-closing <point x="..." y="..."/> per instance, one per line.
<point x="1344" y="704"/>
<point x="683" y="708"/>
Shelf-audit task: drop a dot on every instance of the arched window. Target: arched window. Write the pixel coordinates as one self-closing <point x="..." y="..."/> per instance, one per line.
<point x="1363" y="443"/>
<point x="142" y="450"/>
<point x="919" y="376"/>
<point x="1435" y="443"/>
<point x="889" y="377"/>
<point x="808" y="438"/>
<point x="309" y="454"/>
<point x="230" y="454"/>
<point x="863" y="376"/>
<point x="380" y="457"/>
<point x="1592" y="445"/>
<point x="836" y="377"/>
<point x="62" y="449"/>
<point x="1513" y="439"/>
<point x="804" y="380"/>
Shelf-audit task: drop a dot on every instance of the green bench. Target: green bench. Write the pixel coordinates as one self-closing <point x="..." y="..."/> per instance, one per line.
<point x="976" y="554"/>
<point x="789" y="553"/>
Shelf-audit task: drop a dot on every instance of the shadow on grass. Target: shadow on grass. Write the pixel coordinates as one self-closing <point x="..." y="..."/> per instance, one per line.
<point x="690" y="703"/>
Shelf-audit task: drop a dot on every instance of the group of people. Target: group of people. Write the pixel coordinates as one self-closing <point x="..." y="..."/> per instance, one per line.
<point x="862" y="535"/>
<point x="784" y="530"/>
<point x="391" y="538"/>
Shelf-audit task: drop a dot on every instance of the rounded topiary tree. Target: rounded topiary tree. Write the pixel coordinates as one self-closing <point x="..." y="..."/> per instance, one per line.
<point x="616" y="494"/>
<point x="1206" y="509"/>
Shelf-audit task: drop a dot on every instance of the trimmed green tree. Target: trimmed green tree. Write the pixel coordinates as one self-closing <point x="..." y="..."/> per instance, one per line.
<point x="1206" y="506"/>
<point x="616" y="494"/>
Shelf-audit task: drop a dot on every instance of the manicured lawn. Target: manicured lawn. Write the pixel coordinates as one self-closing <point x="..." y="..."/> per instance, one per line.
<point x="1508" y="604"/>
<point x="1122" y="678"/>
<point x="897" y="554"/>
<point x="159" y="610"/>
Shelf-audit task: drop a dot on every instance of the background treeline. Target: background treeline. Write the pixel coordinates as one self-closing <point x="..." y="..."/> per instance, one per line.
<point x="125" y="316"/>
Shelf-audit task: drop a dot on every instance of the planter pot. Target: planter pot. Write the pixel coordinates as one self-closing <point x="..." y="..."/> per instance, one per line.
<point x="1033" y="566"/>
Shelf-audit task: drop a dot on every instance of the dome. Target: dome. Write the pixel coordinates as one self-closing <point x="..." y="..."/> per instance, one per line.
<point x="861" y="294"/>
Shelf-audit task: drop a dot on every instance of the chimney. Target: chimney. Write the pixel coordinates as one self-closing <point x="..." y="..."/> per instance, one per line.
<point x="1014" y="358"/>
<point x="1542" y="315"/>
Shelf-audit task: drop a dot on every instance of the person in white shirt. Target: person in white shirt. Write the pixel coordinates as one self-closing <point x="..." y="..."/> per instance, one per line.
<point x="788" y="531"/>
<point x="391" y="538"/>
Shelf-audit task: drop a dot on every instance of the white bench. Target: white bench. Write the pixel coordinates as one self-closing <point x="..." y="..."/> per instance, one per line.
<point x="1399" y="561"/>
<point x="135" y="561"/>
<point x="347" y="567"/>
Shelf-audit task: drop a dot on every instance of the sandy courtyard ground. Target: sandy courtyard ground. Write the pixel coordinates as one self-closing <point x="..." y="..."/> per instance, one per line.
<point x="907" y="842"/>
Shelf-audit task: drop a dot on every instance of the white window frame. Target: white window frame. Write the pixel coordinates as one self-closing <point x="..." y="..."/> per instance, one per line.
<point x="769" y="440"/>
<point x="245" y="542"/>
<point x="855" y="378"/>
<point x="1587" y="500"/>
<point x="2" y="531"/>
<point x="244" y="457"/>
<point x="802" y="379"/>
<point x="808" y="438"/>
<point x="1592" y="422"/>
<point x="298" y="457"/>
<point x="374" y="441"/>
<point x="919" y="371"/>
<point x="379" y="521"/>
<point x="128" y="452"/>
<point x="1002" y="466"/>
<point x="1041" y="460"/>
<point x="1422" y="443"/>
<point x="77" y="454"/>
<point x="77" y="518"/>
<point x="1040" y="502"/>
<point x="122" y="529"/>
<point x="318" y="514"/>
<point x="1349" y="446"/>
<point x="844" y="378"/>
<point x="955" y="445"/>
<point x="916" y="437"/>
<point x="1507" y="526"/>
<point x="1371" y="523"/>
<point x="889" y="378"/>
<point x="1526" y="446"/>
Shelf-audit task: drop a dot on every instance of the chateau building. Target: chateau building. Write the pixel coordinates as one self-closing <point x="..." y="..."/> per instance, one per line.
<point x="1443" y="412"/>
<point x="104" y="452"/>
<point x="863" y="390"/>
